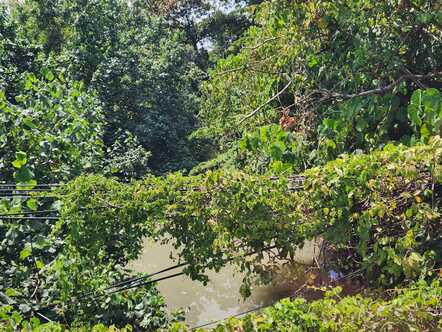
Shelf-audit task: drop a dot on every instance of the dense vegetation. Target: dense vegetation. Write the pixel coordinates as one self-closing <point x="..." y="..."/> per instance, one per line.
<point x="413" y="309"/>
<point x="170" y="120"/>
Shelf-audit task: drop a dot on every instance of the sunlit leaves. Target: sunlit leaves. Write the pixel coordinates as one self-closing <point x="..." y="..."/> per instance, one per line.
<point x="351" y="202"/>
<point x="327" y="48"/>
<point x="425" y="112"/>
<point x="53" y="128"/>
<point x="409" y="308"/>
<point x="23" y="175"/>
<point x="32" y="204"/>
<point x="25" y="252"/>
<point x="20" y="160"/>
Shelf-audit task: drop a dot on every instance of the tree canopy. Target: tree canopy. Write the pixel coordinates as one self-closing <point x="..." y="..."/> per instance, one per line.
<point x="225" y="128"/>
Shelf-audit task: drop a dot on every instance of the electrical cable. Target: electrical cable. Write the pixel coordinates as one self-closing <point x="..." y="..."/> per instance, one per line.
<point x="146" y="283"/>
<point x="131" y="280"/>
<point x="27" y="213"/>
<point x="29" y="185"/>
<point x="350" y="275"/>
<point x="237" y="315"/>
<point x="30" y="218"/>
<point x="28" y="196"/>
<point x="129" y="284"/>
<point x="25" y="190"/>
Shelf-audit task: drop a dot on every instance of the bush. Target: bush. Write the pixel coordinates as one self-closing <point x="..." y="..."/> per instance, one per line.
<point x="417" y="308"/>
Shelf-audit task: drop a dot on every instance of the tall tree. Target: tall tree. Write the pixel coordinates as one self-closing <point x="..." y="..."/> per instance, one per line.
<point x="142" y="70"/>
<point x="337" y="75"/>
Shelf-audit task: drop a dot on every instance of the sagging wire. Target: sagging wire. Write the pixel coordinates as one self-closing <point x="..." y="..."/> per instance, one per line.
<point x="342" y="277"/>
<point x="136" y="282"/>
<point x="29" y="218"/>
<point x="238" y="314"/>
<point x="28" y="213"/>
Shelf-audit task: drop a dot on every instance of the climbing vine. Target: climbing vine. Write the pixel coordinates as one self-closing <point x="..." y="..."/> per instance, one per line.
<point x="379" y="213"/>
<point x="45" y="274"/>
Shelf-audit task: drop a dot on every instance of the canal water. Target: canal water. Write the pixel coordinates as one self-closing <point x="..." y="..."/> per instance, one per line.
<point x="220" y="298"/>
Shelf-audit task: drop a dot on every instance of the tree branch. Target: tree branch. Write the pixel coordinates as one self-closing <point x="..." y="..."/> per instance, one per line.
<point x="267" y="102"/>
<point x="262" y="43"/>
<point x="333" y="95"/>
<point x="327" y="95"/>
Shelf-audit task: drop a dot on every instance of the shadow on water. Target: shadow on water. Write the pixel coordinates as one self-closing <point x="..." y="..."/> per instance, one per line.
<point x="220" y="298"/>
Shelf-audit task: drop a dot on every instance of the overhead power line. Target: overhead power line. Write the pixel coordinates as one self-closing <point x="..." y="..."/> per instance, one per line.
<point x="29" y="218"/>
<point x="21" y="195"/>
<point x="23" y="186"/>
<point x="137" y="282"/>
<point x="237" y="315"/>
<point x="295" y="182"/>
<point x="27" y="213"/>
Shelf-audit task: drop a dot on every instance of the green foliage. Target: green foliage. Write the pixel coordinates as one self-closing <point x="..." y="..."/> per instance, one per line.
<point x="57" y="123"/>
<point x="143" y="72"/>
<point x="352" y="85"/>
<point x="47" y="267"/>
<point x="347" y="62"/>
<point x="276" y="150"/>
<point x="365" y="123"/>
<point x="381" y="209"/>
<point x="209" y="27"/>
<point x="148" y="87"/>
<point x="415" y="308"/>
<point x="384" y="205"/>
<point x="17" y="55"/>
<point x="425" y="113"/>
<point x="126" y="158"/>
<point x="411" y="309"/>
<point x="25" y="249"/>
<point x="11" y="321"/>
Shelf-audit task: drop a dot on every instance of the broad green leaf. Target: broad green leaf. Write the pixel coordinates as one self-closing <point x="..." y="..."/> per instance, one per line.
<point x="25" y="253"/>
<point x="39" y="263"/>
<point x="32" y="204"/>
<point x="24" y="174"/>
<point x="20" y="159"/>
<point x="11" y="292"/>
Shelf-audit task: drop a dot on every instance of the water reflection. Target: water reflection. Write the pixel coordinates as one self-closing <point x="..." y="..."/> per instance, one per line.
<point x="220" y="298"/>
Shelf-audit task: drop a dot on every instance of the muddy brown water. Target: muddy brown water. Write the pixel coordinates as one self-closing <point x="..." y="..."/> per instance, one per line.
<point x="220" y="298"/>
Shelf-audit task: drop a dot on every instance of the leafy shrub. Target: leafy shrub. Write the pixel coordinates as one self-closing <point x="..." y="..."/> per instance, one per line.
<point x="141" y="69"/>
<point x="417" y="308"/>
<point x="11" y="321"/>
<point x="425" y="113"/>
<point x="270" y="148"/>
<point x="57" y="123"/>
<point x="47" y="266"/>
<point x="126" y="158"/>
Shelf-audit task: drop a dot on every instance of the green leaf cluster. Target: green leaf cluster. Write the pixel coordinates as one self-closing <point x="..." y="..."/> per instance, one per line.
<point x="47" y="267"/>
<point x="347" y="62"/>
<point x="412" y="309"/>
<point x="58" y="124"/>
<point x="381" y="209"/>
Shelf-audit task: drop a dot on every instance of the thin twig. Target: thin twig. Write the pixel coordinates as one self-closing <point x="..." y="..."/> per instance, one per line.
<point x="43" y="316"/>
<point x="267" y="102"/>
<point x="262" y="43"/>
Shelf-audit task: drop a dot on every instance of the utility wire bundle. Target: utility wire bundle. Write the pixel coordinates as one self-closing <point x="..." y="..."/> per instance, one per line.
<point x="14" y="190"/>
<point x="141" y="281"/>
<point x="26" y="191"/>
<point x="295" y="182"/>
